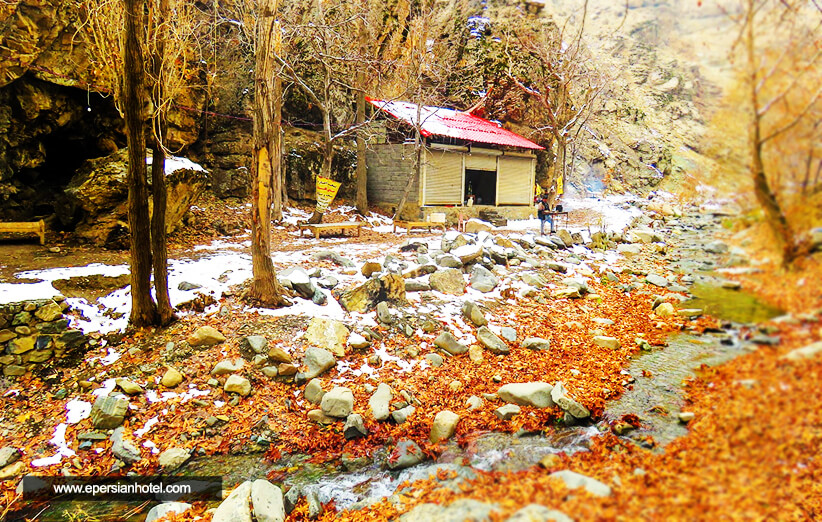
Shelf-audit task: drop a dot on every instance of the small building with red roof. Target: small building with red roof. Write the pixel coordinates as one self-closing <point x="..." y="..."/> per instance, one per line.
<point x="467" y="162"/>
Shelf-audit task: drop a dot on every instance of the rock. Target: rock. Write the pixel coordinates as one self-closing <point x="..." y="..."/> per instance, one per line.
<point x="565" y="236"/>
<point x="629" y="250"/>
<point x="128" y="387"/>
<point x="507" y="412"/>
<point x="731" y="285"/>
<point x="474" y="403"/>
<point x="237" y="507"/>
<point x="642" y="235"/>
<point x="319" y="417"/>
<point x="13" y="470"/>
<point x="472" y="312"/>
<point x="237" y="384"/>
<point x="449" y="343"/>
<point x="338" y="402"/>
<point x="390" y="288"/>
<point x="328" y="282"/>
<point x="370" y="268"/>
<point x="314" y="391"/>
<point x="574" y="480"/>
<point x="473" y="226"/>
<point x="458" y="511"/>
<point x="536" y="343"/>
<point x="50" y="312"/>
<point x="412" y="285"/>
<point x="532" y="279"/>
<point x="467" y="253"/>
<point x="379" y="402"/>
<point x="536" y="394"/>
<point x="277" y="354"/>
<point x="444" y="426"/>
<point x="333" y="257"/>
<point x="354" y="427"/>
<point x="384" y="314"/>
<point x="401" y="415"/>
<point x="227" y="366"/>
<point x="287" y="370"/>
<point x="686" y="416"/>
<point x="490" y="340"/>
<point x="550" y="461"/>
<point x="606" y="342"/>
<point x="21" y="345"/>
<point x="448" y="261"/>
<point x="406" y="454"/>
<point x="657" y="280"/>
<point x="435" y="359"/>
<point x="538" y="513"/>
<point x="358" y="342"/>
<point x="108" y="412"/>
<point x="716" y="247"/>
<point x="806" y="352"/>
<point x="171" y="378"/>
<point x="560" y="396"/>
<point x="448" y="281"/>
<point x="482" y="279"/>
<point x="185" y="286"/>
<point x="124" y="449"/>
<point x="256" y="343"/>
<point x="9" y="455"/>
<point x="689" y="312"/>
<point x="267" y="502"/>
<point x="318" y="361"/>
<point x="475" y="353"/>
<point x="329" y="334"/>
<point x="205" y="336"/>
<point x="665" y="310"/>
<point x="165" y="509"/>
<point x="173" y="458"/>
<point x="508" y="333"/>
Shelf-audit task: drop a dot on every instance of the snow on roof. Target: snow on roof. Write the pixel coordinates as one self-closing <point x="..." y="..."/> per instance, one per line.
<point x="439" y="121"/>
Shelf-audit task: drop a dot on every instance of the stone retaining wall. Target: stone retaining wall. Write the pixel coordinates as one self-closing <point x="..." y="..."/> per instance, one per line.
<point x="35" y="333"/>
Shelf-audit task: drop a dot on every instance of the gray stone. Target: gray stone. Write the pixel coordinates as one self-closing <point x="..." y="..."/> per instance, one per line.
<point x="448" y="281"/>
<point x="536" y="343"/>
<point x="507" y="411"/>
<point x="472" y="312"/>
<point x="354" y="427"/>
<point x="333" y="257"/>
<point x="108" y="412"/>
<point x="482" y="279"/>
<point x="536" y="394"/>
<point x="173" y="458"/>
<point x="490" y="340"/>
<point x="328" y="282"/>
<point x="806" y="352"/>
<point x="298" y="280"/>
<point x="448" y="261"/>
<point x="267" y="502"/>
<point x="379" y="402"/>
<point x="458" y="511"/>
<point x="560" y="396"/>
<point x="401" y="415"/>
<point x="449" y="343"/>
<point x="716" y="247"/>
<point x="444" y="426"/>
<point x="412" y="285"/>
<point x="358" y="342"/>
<point x="532" y="279"/>
<point x="435" y="359"/>
<point x="205" y="336"/>
<point x="574" y="480"/>
<point x="329" y="334"/>
<point x="237" y="384"/>
<point x="165" y="509"/>
<point x="318" y="360"/>
<point x="227" y="366"/>
<point x="9" y="455"/>
<point x="657" y="280"/>
<point x="338" y="402"/>
<point x="508" y="333"/>
<point x="185" y="286"/>
<point x="538" y="513"/>
<point x="237" y="507"/>
<point x="384" y="314"/>
<point x="256" y="343"/>
<point x="124" y="449"/>
<point x="606" y="342"/>
<point x="314" y="391"/>
<point x="629" y="250"/>
<point x="406" y="454"/>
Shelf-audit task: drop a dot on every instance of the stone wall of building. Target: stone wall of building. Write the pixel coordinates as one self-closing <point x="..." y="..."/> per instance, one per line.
<point x="388" y="168"/>
<point x="34" y="334"/>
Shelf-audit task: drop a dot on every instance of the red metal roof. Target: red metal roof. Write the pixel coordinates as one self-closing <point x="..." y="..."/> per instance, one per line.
<point x="439" y="121"/>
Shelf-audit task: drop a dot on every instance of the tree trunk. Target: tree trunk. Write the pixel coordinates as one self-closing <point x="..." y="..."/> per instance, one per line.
<point x="264" y="289"/>
<point x="328" y="159"/>
<point x="415" y="174"/>
<point x="277" y="136"/>
<point x="143" y="308"/>
<point x="158" y="179"/>
<point x="362" y="170"/>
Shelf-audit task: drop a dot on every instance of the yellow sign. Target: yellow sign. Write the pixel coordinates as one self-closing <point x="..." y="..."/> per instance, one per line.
<point x="326" y="190"/>
<point x="559" y="186"/>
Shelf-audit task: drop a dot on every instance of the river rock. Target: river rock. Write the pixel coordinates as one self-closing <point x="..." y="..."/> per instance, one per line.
<point x="448" y="261"/>
<point x="319" y="417"/>
<point x="405" y="454"/>
<point x="657" y="280"/>
<point x="370" y="268"/>
<point x="277" y="354"/>
<point x="205" y="336"/>
<point x="536" y="343"/>
<point x="124" y="449"/>
<point x="128" y="387"/>
<point x="171" y="378"/>
<point x="536" y="394"/>
<point x="354" y="427"/>
<point x="435" y="359"/>
<point x="716" y="247"/>
<point x="384" y="314"/>
<point x="227" y="366"/>
<point x="665" y="310"/>
<point x="490" y="340"/>
<point x="606" y="342"/>
<point x="508" y="333"/>
<point x="475" y="353"/>
<point x="449" y="343"/>
<point x="507" y="412"/>
<point x="472" y="312"/>
<point x="575" y="480"/>
<point x="560" y="396"/>
<point x="444" y="426"/>
<point x="538" y="513"/>
<point x="165" y="509"/>
<point x="237" y="507"/>
<point x="334" y="257"/>
<point x="401" y="415"/>
<point x="413" y="285"/>
<point x="9" y="455"/>
<point x="389" y="287"/>
<point x="314" y="391"/>
<point x="329" y="334"/>
<point x="237" y="384"/>
<point x="338" y="402"/>
<point x="532" y="279"/>
<point x="108" y="412"/>
<point x="358" y="342"/>
<point x="255" y="343"/>
<point x="458" y="511"/>
<point x="173" y="458"/>
<point x="806" y="352"/>
<point x="318" y="361"/>
<point x="379" y="402"/>
<point x="448" y="281"/>
<point x="482" y="279"/>
<point x="267" y="502"/>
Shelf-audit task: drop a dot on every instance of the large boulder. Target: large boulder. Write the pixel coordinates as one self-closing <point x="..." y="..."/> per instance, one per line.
<point x="482" y="279"/>
<point x="96" y="197"/>
<point x="329" y="334"/>
<point x="363" y="298"/>
<point x="536" y="394"/>
<point x="448" y="281"/>
<point x="338" y="402"/>
<point x="491" y="341"/>
<point x="444" y="426"/>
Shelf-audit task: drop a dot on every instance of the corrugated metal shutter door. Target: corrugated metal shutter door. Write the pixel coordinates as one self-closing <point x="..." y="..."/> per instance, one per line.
<point x="515" y="181"/>
<point x="478" y="161"/>
<point x="443" y="178"/>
